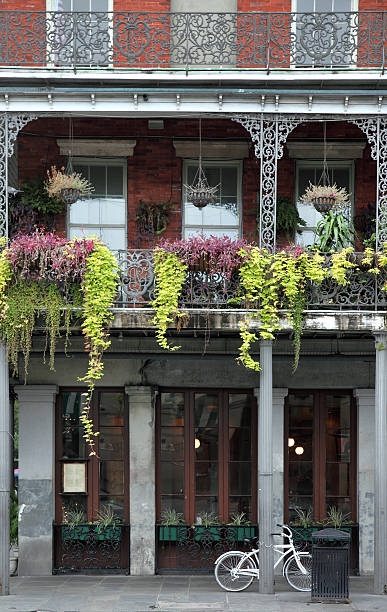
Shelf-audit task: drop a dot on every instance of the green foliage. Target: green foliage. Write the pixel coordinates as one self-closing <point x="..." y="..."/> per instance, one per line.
<point x="24" y="300"/>
<point x="169" y="516"/>
<point x="207" y="518"/>
<point x="106" y="517"/>
<point x="153" y="217"/>
<point x="239" y="518"/>
<point x="170" y="274"/>
<point x="336" y="517"/>
<point x="73" y="516"/>
<point x="99" y="290"/>
<point x="287" y="217"/>
<point x="304" y="517"/>
<point x="34" y="194"/>
<point x="13" y="520"/>
<point x="334" y="232"/>
<point x="269" y="283"/>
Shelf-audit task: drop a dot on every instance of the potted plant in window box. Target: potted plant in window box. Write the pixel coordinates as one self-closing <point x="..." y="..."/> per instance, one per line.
<point x="68" y="187"/>
<point x="152" y="217"/>
<point x="239" y="528"/>
<point x="207" y="526"/>
<point x="107" y="525"/>
<point x="74" y="524"/>
<point x="170" y="529"/>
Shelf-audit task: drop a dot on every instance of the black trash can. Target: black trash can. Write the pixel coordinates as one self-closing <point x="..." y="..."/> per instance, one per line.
<point x="330" y="565"/>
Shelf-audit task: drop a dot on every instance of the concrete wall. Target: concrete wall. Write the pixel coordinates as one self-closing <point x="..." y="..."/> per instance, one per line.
<point x="36" y="478"/>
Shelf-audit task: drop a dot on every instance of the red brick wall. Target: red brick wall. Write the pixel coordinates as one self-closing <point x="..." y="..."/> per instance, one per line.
<point x="272" y="6"/>
<point x="155" y="173"/>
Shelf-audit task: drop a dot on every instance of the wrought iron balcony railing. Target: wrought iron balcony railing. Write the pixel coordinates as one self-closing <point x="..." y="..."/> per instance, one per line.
<point x="259" y="41"/>
<point x="202" y="289"/>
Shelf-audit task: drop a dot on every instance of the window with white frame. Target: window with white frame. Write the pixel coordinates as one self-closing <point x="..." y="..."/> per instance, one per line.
<point x="84" y="39"/>
<point x="328" y="41"/>
<point x="340" y="172"/>
<point x="224" y="216"/>
<point x="103" y="214"/>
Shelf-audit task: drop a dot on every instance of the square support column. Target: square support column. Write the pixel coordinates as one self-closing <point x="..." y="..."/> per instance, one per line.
<point x="380" y="572"/>
<point x="265" y="467"/>
<point x="36" y="478"/>
<point x="365" y="399"/>
<point x="5" y="470"/>
<point x="278" y="455"/>
<point x="142" y="480"/>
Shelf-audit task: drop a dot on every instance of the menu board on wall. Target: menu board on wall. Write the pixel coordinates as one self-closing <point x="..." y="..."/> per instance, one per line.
<point x="74" y="478"/>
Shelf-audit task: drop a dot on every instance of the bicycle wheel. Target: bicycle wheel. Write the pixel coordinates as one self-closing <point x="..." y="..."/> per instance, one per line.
<point x="228" y="578"/>
<point x="294" y="575"/>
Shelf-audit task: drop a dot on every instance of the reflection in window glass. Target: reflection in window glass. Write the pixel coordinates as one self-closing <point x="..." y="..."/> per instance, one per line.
<point x="103" y="214"/>
<point x="223" y="216"/>
<point x="340" y="173"/>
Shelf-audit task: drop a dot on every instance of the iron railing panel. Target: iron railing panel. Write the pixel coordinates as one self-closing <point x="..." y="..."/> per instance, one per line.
<point x="131" y="39"/>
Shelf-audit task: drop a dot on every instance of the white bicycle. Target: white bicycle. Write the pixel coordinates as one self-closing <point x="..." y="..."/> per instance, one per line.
<point x="236" y="570"/>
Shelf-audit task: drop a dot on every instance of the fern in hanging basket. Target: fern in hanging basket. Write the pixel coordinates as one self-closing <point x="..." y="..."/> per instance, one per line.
<point x="326" y="197"/>
<point x="65" y="186"/>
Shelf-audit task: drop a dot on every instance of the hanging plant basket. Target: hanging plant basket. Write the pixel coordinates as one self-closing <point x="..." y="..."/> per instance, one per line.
<point x="69" y="195"/>
<point x="201" y="197"/>
<point x="323" y="204"/>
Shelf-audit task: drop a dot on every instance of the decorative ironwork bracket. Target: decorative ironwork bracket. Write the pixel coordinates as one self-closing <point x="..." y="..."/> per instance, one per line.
<point x="10" y="126"/>
<point x="269" y="135"/>
<point x="375" y="128"/>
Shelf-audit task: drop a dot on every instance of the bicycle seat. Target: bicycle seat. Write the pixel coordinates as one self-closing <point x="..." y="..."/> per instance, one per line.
<point x="250" y="540"/>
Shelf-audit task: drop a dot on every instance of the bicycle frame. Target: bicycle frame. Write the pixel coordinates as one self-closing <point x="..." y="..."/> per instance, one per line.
<point x="285" y="551"/>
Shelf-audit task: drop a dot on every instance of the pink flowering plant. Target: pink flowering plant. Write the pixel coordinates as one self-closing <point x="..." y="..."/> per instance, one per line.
<point x="220" y="254"/>
<point x="44" y="275"/>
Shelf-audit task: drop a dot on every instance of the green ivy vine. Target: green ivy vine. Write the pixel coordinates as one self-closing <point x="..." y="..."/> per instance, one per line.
<point x="99" y="290"/>
<point x="170" y="274"/>
<point x="28" y="298"/>
<point x="269" y="283"/>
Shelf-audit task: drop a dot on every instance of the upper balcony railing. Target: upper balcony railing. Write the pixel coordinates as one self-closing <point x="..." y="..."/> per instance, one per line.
<point x="201" y="289"/>
<point x="133" y="40"/>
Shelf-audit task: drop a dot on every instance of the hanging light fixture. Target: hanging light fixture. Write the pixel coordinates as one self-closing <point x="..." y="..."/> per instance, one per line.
<point x="200" y="193"/>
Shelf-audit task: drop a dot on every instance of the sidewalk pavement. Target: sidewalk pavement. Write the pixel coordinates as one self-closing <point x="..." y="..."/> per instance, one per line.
<point x="170" y="594"/>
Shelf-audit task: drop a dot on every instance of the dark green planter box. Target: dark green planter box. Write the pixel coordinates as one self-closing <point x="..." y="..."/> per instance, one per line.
<point x="91" y="532"/>
<point x="305" y="533"/>
<point x="215" y="533"/>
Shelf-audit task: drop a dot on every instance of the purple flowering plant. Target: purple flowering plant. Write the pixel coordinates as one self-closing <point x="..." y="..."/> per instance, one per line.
<point x="221" y="254"/>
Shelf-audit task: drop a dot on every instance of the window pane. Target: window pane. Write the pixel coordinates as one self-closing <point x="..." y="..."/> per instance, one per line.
<point x="240" y="478"/>
<point x="172" y="409"/>
<point x="239" y="504"/>
<point x="172" y="477"/>
<point x="299" y="502"/>
<point x="206" y="410"/>
<point x="114" y="238"/>
<point x="111" y="442"/>
<point x="172" y="443"/>
<point x="84" y="211"/>
<point x="99" y="5"/>
<point x="205" y="504"/>
<point x="115" y="502"/>
<point x="111" y="409"/>
<point x="111" y="477"/>
<point x="172" y="502"/>
<point x="73" y="443"/>
<point x="240" y="444"/>
<point x="337" y="476"/>
<point x="239" y="410"/>
<point x="115" y="180"/>
<point x="206" y="476"/>
<point x="231" y="233"/>
<point x="208" y="440"/>
<point x="300" y="478"/>
<point x="112" y="211"/>
<point x="229" y="181"/>
<point x="74" y="502"/>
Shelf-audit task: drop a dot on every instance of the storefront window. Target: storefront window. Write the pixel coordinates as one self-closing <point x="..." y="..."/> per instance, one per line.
<point x="106" y="483"/>
<point x="320" y="460"/>
<point x="207" y="455"/>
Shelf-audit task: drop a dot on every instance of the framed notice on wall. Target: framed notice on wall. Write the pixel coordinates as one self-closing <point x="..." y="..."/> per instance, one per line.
<point x="74" y="478"/>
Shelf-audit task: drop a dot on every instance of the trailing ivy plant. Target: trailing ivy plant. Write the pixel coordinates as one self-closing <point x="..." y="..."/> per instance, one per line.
<point x="45" y="280"/>
<point x="269" y="283"/>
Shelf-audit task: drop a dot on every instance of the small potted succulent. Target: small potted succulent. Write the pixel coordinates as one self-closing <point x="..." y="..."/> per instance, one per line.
<point x="67" y="186"/>
<point x="326" y="197"/>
